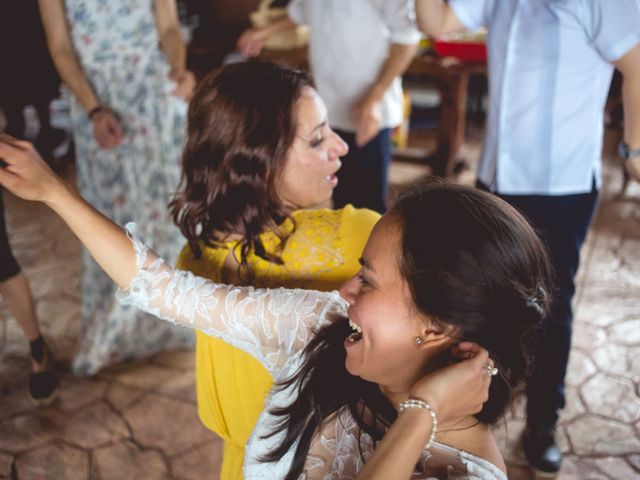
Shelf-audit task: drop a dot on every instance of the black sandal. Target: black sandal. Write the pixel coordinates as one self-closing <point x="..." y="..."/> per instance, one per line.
<point x="43" y="386"/>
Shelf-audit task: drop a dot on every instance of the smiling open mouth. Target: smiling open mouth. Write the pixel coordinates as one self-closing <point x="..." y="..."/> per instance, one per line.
<point x="356" y="332"/>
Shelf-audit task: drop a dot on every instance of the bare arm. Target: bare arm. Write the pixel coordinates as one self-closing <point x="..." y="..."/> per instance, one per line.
<point x="435" y="17"/>
<point x="173" y="46"/>
<point x="367" y="111"/>
<point x="28" y="176"/>
<point x="252" y="41"/>
<point x="629" y="66"/>
<point x="396" y="455"/>
<point x="62" y="52"/>
<point x="106" y="127"/>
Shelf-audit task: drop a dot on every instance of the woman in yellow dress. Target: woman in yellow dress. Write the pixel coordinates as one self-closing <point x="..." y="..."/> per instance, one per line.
<point x="258" y="167"/>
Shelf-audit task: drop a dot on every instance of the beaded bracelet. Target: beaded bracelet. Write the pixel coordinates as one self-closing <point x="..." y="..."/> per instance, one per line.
<point x="98" y="109"/>
<point x="415" y="403"/>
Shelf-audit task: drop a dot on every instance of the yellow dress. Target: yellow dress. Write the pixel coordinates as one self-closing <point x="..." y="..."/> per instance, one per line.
<point x="321" y="254"/>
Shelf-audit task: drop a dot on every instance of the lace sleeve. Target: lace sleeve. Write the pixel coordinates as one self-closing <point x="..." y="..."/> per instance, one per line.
<point x="271" y="325"/>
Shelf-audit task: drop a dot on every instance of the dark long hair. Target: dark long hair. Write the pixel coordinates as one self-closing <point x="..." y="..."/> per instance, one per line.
<point x="471" y="261"/>
<point x="241" y="125"/>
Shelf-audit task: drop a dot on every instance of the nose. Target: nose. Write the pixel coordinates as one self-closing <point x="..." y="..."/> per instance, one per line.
<point x="339" y="147"/>
<point x="349" y="289"/>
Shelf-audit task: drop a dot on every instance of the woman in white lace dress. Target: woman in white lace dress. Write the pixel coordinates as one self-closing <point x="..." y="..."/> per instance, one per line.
<point x="362" y="375"/>
<point x="124" y="63"/>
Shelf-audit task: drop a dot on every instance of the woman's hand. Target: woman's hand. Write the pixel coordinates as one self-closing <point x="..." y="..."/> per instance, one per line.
<point x="368" y="114"/>
<point x="460" y="389"/>
<point x="106" y="129"/>
<point x="185" y="83"/>
<point x="252" y="41"/>
<point x="26" y="174"/>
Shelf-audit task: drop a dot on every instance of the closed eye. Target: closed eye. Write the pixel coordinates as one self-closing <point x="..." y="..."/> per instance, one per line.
<point x="316" y="142"/>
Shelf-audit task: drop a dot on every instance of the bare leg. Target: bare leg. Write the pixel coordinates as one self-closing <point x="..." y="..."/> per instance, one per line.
<point x="17" y="296"/>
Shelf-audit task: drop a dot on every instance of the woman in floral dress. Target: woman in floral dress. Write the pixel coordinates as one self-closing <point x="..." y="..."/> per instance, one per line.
<point x="124" y="63"/>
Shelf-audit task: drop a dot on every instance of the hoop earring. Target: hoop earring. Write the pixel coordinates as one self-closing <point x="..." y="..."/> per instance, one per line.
<point x="419" y="341"/>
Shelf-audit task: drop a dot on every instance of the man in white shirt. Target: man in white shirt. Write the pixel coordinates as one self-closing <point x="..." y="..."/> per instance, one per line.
<point x="550" y="67"/>
<point x="358" y="49"/>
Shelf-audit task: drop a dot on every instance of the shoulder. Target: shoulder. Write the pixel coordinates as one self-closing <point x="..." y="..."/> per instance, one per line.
<point x="346" y="220"/>
<point x="358" y="219"/>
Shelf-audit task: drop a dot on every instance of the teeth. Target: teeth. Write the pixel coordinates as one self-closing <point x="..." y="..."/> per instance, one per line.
<point x="354" y="326"/>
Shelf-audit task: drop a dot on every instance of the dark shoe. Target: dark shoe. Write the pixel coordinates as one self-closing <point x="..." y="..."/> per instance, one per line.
<point x="542" y="451"/>
<point x="43" y="382"/>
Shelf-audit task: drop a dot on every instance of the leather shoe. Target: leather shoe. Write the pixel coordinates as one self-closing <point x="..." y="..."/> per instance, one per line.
<point x="542" y="451"/>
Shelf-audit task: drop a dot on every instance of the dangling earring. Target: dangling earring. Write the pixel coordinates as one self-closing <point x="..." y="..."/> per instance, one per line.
<point x="419" y="341"/>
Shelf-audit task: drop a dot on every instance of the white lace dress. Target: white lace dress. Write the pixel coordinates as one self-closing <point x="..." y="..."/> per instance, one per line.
<point x="274" y="325"/>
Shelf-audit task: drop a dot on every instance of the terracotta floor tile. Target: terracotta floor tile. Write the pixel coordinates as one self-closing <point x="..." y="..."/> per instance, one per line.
<point x="30" y="430"/>
<point x="202" y="462"/>
<point x="55" y="461"/>
<point x="175" y="432"/>
<point x="94" y="425"/>
<point x="125" y="460"/>
<point x="5" y="465"/>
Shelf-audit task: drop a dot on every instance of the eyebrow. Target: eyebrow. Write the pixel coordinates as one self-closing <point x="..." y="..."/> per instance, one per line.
<point x="319" y="126"/>
<point x="366" y="264"/>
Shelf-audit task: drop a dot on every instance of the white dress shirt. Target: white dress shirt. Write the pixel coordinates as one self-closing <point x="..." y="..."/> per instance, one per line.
<point x="349" y="43"/>
<point x="550" y="67"/>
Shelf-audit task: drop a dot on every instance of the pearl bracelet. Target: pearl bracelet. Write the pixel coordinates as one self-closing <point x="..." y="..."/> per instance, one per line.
<point x="415" y="403"/>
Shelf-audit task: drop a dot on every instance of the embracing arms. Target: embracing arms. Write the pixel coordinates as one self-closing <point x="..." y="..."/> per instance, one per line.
<point x="271" y="325"/>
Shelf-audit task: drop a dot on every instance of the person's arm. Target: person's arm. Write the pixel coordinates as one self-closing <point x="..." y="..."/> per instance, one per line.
<point x="629" y="66"/>
<point x="367" y="111"/>
<point x="106" y="128"/>
<point x="252" y="41"/>
<point x="173" y="46"/>
<point x="435" y="17"/>
<point x="270" y="325"/>
<point x="399" y="450"/>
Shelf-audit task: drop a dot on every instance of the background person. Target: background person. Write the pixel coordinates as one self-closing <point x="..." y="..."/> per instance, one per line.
<point x="124" y="63"/>
<point x="550" y="67"/>
<point x="358" y="51"/>
<point x="260" y="160"/>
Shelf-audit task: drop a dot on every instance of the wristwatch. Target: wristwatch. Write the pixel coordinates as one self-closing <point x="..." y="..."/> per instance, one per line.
<point x="626" y="153"/>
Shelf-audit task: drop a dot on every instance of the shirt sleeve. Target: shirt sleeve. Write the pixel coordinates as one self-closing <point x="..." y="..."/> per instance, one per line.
<point x="400" y="16"/>
<point x="471" y="13"/>
<point x="271" y="325"/>
<point x="297" y="10"/>
<point x="613" y="27"/>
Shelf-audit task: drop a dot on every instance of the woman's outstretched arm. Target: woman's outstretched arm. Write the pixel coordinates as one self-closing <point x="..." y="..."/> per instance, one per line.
<point x="270" y="325"/>
<point x="28" y="176"/>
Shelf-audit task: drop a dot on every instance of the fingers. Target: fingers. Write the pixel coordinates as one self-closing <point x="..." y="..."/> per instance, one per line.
<point x="185" y="83"/>
<point x="107" y="131"/>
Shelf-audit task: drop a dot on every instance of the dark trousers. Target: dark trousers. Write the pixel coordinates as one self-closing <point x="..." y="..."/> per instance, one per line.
<point x="363" y="177"/>
<point x="562" y="221"/>
<point x="8" y="265"/>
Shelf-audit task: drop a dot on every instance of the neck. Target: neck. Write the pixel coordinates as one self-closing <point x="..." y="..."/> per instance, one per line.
<point x="401" y="391"/>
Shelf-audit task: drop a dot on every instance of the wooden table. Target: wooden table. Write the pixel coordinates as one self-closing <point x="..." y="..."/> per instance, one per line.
<point x="452" y="78"/>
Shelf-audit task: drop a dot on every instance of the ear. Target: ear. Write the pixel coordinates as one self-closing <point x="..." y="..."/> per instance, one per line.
<point x="436" y="334"/>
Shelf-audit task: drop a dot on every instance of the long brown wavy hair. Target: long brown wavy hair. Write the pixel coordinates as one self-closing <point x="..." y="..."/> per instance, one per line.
<point x="241" y="125"/>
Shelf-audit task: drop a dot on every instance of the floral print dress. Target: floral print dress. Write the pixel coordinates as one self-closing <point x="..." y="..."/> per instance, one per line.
<point x="116" y="43"/>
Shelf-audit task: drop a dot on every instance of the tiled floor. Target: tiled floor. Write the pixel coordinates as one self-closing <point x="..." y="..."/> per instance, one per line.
<point x="138" y="421"/>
